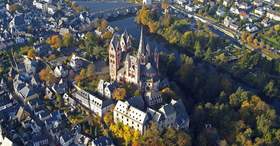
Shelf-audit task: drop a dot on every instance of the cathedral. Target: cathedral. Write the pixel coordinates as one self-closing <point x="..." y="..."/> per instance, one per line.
<point x="139" y="67"/>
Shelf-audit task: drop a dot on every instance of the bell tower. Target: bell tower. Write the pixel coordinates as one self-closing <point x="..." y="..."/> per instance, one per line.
<point x="114" y="57"/>
<point x="141" y="54"/>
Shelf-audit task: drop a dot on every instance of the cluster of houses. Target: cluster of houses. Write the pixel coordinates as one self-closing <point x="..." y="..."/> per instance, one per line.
<point x="25" y="118"/>
<point x="239" y="15"/>
<point x="28" y="20"/>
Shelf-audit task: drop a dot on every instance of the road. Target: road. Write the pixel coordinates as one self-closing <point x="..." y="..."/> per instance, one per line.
<point x="231" y="34"/>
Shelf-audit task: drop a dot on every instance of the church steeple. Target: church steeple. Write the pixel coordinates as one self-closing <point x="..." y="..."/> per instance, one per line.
<point x="141" y="49"/>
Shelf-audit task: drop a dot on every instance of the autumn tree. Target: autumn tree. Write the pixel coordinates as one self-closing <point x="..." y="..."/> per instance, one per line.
<point x="183" y="139"/>
<point x="153" y="26"/>
<point x="143" y="15"/>
<point x="68" y="40"/>
<point x="277" y="28"/>
<point x="75" y="7"/>
<point x="107" y="35"/>
<point x="152" y="136"/>
<point x="31" y="53"/>
<point x="15" y="7"/>
<point x="244" y="36"/>
<point x="166" y="20"/>
<point x="256" y="42"/>
<point x="208" y="54"/>
<point x="24" y="50"/>
<point x="249" y="39"/>
<point x="165" y="5"/>
<point x="1" y="70"/>
<point x="119" y="93"/>
<point x="108" y="118"/>
<point x="170" y="136"/>
<point x="90" y="72"/>
<point x="55" y="41"/>
<point x="103" y="24"/>
<point x="271" y="89"/>
<point x="186" y="39"/>
<point x="47" y="76"/>
<point x="81" y="76"/>
<point x="197" y="48"/>
<point x="90" y="41"/>
<point x="127" y="136"/>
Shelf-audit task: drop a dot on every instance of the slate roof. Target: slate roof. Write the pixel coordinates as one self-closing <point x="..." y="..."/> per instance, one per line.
<point x="103" y="141"/>
<point x="167" y="110"/>
<point x="66" y="136"/>
<point x="154" y="115"/>
<point x="38" y="137"/>
<point x="137" y="101"/>
<point x="19" y="19"/>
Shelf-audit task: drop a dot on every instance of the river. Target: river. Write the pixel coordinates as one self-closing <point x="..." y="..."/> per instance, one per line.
<point x="95" y="6"/>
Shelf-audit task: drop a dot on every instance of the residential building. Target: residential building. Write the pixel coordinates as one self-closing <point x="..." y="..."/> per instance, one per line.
<point x="243" y="5"/>
<point x="273" y="15"/>
<point x="234" y="10"/>
<point x="5" y="141"/>
<point x="60" y="71"/>
<point x="61" y="87"/>
<point x="227" y="21"/>
<point x="220" y="12"/>
<point x="233" y="26"/>
<point x="277" y="4"/>
<point x="270" y="1"/>
<point x="38" y="5"/>
<point x="23" y="88"/>
<point x="97" y="105"/>
<point x="66" y="138"/>
<point x="39" y="139"/>
<point x="190" y="8"/>
<point x="169" y="115"/>
<point x="258" y="3"/>
<point x="266" y="22"/>
<point x="227" y="3"/>
<point x="181" y="2"/>
<point x="259" y="11"/>
<point x="243" y="15"/>
<point x="102" y="141"/>
<point x="131" y="116"/>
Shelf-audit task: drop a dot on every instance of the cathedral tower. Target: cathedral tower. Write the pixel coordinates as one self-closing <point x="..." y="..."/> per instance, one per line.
<point x="114" y="57"/>
<point x="125" y="42"/>
<point x="141" y="54"/>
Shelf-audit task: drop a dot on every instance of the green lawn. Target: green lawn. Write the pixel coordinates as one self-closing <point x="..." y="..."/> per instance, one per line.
<point x="273" y="41"/>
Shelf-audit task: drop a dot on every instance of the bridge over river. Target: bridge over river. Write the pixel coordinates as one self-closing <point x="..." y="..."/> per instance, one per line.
<point x="109" y="9"/>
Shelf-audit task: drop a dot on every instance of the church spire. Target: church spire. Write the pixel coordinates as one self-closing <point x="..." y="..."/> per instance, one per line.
<point x="141" y="48"/>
